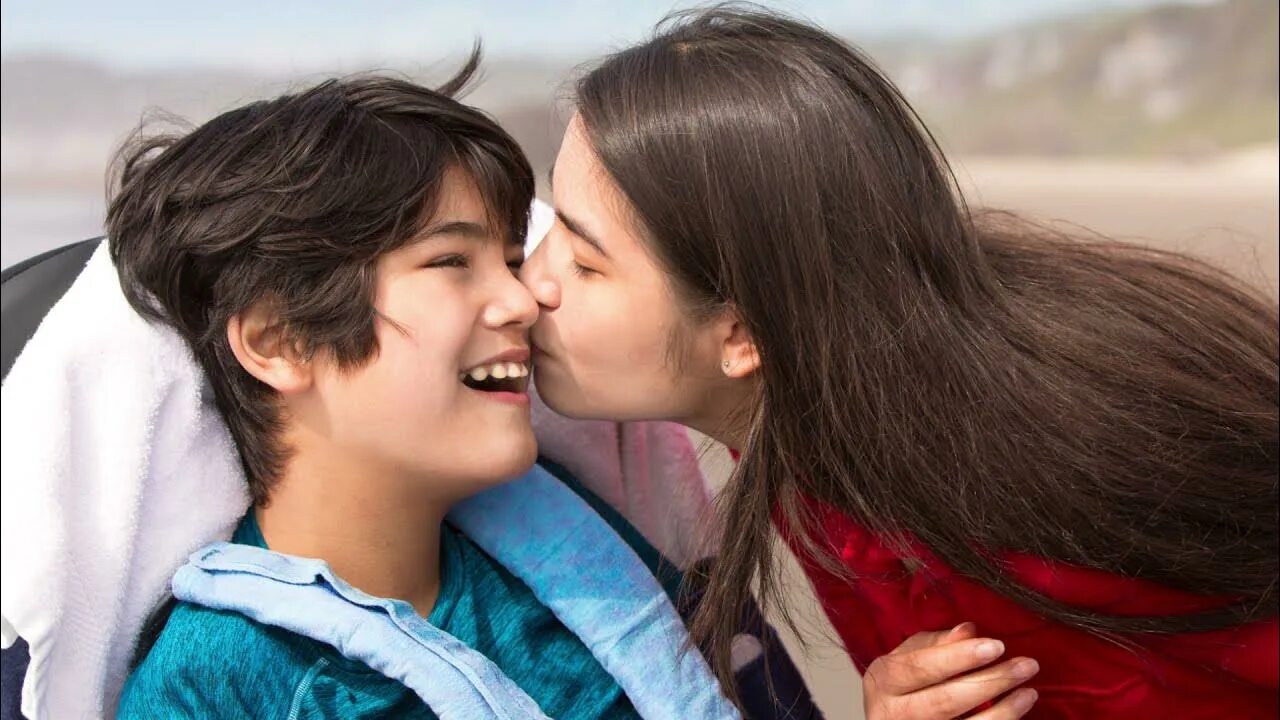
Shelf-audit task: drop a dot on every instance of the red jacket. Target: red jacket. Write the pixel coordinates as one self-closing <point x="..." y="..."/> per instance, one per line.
<point x="1222" y="674"/>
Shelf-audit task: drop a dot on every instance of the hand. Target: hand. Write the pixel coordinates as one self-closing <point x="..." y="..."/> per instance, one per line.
<point x="936" y="675"/>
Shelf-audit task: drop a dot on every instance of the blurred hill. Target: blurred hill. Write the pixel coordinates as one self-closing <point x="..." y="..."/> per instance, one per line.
<point x="1172" y="79"/>
<point x="61" y="118"/>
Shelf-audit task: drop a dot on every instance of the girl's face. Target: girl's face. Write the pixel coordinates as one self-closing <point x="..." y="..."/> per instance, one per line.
<point x="603" y="342"/>
<point x="452" y="311"/>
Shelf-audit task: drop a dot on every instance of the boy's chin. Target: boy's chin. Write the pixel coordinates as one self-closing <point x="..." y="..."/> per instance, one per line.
<point x="508" y="462"/>
<point x="499" y="460"/>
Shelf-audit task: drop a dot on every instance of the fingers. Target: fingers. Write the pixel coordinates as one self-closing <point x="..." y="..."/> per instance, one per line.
<point x="962" y="694"/>
<point x="963" y="631"/>
<point x="908" y="672"/>
<point x="944" y="675"/>
<point x="1014" y="705"/>
<point x="921" y="640"/>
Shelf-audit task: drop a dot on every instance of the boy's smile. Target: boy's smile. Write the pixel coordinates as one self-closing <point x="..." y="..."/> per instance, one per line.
<point x="504" y="377"/>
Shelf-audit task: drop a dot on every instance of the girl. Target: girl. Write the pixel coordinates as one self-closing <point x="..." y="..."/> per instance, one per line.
<point x="949" y="416"/>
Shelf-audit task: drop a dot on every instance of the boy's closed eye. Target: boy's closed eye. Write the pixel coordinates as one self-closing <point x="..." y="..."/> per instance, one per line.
<point x="453" y="260"/>
<point x="463" y="261"/>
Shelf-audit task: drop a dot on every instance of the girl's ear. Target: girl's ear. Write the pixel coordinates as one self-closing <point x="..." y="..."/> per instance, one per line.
<point x="738" y="355"/>
<point x="258" y="342"/>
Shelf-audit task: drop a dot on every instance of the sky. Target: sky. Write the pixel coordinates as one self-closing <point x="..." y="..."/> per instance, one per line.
<point x="302" y="35"/>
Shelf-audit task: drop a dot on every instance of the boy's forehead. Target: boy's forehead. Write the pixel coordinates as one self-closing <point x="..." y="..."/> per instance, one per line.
<point x="459" y="209"/>
<point x="459" y="194"/>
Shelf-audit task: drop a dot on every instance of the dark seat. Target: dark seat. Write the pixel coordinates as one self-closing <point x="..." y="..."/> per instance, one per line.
<point x="29" y="289"/>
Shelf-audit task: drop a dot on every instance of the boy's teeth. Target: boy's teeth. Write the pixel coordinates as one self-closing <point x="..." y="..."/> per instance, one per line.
<point x="498" y="371"/>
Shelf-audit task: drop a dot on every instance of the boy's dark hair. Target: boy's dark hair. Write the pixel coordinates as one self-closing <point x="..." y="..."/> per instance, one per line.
<point x="292" y="201"/>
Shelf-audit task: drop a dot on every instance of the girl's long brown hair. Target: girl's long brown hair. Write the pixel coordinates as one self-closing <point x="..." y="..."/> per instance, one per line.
<point x="968" y="380"/>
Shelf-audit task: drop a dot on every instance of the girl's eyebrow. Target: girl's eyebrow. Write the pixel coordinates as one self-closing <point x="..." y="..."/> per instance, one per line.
<point x="576" y="229"/>
<point x="574" y="226"/>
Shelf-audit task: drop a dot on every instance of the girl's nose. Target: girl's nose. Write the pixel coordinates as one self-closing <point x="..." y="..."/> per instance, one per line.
<point x="534" y="275"/>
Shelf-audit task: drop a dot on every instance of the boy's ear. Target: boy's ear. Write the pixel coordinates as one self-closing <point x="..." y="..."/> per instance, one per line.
<point x="738" y="355"/>
<point x="258" y="342"/>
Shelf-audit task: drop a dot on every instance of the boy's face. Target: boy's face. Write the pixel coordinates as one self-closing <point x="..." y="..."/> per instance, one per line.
<point x="451" y="305"/>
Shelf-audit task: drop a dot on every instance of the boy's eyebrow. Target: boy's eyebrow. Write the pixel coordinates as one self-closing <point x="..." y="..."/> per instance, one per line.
<point x="576" y="229"/>
<point x="465" y="228"/>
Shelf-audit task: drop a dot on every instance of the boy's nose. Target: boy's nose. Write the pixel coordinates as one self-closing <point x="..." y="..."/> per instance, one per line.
<point x="515" y="306"/>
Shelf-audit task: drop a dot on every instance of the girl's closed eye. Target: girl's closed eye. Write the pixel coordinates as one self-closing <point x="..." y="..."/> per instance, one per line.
<point x="582" y="270"/>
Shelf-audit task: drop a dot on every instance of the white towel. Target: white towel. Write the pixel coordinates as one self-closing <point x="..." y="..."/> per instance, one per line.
<point x="114" y="467"/>
<point x="541" y="218"/>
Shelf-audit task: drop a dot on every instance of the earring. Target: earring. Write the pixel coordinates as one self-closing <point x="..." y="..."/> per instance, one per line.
<point x="726" y="364"/>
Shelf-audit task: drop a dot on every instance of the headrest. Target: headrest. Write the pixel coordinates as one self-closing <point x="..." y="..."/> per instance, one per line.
<point x="29" y="289"/>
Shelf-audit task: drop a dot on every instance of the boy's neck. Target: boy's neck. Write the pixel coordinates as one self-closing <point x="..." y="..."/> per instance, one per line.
<point x="377" y="532"/>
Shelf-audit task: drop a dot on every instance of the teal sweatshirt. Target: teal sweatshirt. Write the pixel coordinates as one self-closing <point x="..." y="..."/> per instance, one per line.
<point x="209" y="663"/>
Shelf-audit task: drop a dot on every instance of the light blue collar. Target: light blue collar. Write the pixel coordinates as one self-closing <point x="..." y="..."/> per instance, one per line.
<point x="544" y="534"/>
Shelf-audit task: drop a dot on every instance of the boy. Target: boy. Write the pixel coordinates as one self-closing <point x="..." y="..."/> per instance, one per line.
<point x="341" y="263"/>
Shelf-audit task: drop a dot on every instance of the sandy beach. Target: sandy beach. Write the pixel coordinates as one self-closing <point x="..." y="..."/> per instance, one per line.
<point x="1223" y="209"/>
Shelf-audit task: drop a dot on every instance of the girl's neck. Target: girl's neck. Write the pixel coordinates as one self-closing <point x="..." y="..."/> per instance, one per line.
<point x="725" y="416"/>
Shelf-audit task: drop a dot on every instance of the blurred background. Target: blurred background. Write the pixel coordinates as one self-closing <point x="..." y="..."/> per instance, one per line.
<point x="1146" y="119"/>
<point x="1149" y="120"/>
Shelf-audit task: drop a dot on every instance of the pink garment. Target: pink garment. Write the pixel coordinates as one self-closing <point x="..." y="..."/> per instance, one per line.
<point x="648" y="471"/>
